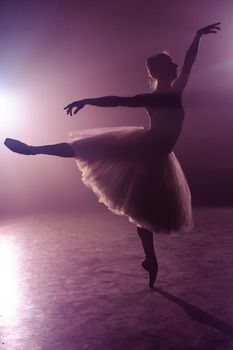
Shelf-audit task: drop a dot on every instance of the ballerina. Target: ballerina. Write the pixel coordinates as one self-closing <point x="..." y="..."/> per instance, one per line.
<point x="134" y="171"/>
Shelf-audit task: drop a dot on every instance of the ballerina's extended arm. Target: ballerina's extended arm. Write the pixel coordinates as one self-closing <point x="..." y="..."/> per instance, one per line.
<point x="191" y="55"/>
<point x="141" y="100"/>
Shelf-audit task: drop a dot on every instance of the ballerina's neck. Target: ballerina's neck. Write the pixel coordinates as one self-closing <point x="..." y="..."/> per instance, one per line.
<point x="163" y="87"/>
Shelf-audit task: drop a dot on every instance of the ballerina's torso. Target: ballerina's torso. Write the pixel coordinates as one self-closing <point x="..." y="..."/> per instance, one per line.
<point x="166" y="120"/>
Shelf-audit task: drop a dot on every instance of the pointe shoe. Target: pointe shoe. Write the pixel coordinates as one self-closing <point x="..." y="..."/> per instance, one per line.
<point x="18" y="147"/>
<point x="152" y="267"/>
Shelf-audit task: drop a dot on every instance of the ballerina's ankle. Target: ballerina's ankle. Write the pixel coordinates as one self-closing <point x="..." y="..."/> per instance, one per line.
<point x="32" y="150"/>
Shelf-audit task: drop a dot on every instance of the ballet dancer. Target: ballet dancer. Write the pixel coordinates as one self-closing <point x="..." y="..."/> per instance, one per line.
<point x="132" y="170"/>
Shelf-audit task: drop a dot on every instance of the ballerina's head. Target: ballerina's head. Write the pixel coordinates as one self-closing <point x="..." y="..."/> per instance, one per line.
<point x="161" y="68"/>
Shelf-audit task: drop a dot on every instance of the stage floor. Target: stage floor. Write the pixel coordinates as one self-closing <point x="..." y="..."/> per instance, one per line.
<point x="72" y="281"/>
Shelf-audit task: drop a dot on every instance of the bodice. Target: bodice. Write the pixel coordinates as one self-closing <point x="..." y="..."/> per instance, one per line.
<point x="166" y="120"/>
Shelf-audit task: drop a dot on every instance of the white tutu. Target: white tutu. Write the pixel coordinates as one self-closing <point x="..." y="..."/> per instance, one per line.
<point x="130" y="173"/>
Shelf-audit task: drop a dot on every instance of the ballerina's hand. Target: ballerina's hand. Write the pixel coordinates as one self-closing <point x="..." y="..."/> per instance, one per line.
<point x="77" y="105"/>
<point x="212" y="28"/>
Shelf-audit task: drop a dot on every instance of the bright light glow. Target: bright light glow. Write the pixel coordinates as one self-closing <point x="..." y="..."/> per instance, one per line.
<point x="9" y="289"/>
<point x="7" y="104"/>
<point x="9" y="109"/>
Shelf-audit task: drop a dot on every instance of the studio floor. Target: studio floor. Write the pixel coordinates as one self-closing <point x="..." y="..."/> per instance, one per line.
<point x="73" y="281"/>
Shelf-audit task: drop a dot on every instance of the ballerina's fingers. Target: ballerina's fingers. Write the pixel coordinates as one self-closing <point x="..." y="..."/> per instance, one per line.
<point x="212" y="31"/>
<point x="217" y="24"/>
<point x="212" y="28"/>
<point x="78" y="107"/>
<point x="69" y="108"/>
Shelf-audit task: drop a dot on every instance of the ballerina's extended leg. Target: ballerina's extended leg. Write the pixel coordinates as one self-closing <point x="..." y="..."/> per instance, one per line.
<point x="60" y="150"/>
<point x="150" y="264"/>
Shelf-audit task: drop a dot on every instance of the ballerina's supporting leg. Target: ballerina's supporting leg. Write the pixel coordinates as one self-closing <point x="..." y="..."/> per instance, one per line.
<point x="150" y="264"/>
<point x="60" y="150"/>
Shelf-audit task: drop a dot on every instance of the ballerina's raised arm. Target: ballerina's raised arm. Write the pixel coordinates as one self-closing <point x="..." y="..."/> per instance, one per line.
<point x="191" y="55"/>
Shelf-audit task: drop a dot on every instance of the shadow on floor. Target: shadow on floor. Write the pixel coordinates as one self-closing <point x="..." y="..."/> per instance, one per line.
<point x="197" y="314"/>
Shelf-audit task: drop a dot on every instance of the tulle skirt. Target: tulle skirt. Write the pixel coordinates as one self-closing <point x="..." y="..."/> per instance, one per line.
<point x="133" y="174"/>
